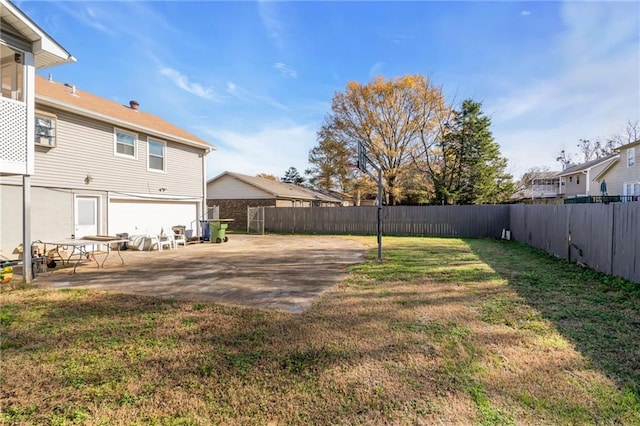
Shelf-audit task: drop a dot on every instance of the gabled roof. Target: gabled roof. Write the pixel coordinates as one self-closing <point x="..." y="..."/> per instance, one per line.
<point x="616" y="160"/>
<point x="68" y="98"/>
<point x="586" y="166"/>
<point x="629" y="145"/>
<point x="279" y="189"/>
<point x="47" y="51"/>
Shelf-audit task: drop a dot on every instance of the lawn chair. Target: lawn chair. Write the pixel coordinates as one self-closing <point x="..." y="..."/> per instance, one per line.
<point x="179" y="235"/>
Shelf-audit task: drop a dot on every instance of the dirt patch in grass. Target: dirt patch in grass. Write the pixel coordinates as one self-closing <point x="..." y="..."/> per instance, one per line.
<point x="441" y="332"/>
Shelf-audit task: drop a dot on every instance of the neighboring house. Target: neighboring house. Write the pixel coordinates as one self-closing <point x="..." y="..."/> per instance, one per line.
<point x="24" y="47"/>
<point x="622" y="176"/>
<point x="233" y="193"/>
<point x="537" y="185"/>
<point x="578" y="180"/>
<point x="105" y="168"/>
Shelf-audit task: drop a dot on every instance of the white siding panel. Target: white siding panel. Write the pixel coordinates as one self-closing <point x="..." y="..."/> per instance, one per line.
<point x="51" y="216"/>
<point x="228" y="187"/>
<point x="150" y="217"/>
<point x="85" y="147"/>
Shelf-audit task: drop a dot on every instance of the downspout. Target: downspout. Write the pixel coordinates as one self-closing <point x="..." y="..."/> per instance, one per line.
<point x="203" y="206"/>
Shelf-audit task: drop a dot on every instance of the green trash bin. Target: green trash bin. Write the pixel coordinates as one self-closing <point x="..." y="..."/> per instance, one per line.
<point x="218" y="230"/>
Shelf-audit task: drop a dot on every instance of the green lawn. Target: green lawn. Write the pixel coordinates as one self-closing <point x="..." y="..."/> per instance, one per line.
<point x="443" y="331"/>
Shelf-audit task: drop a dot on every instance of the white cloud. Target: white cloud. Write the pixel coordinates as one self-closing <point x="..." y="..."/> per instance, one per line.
<point x="253" y="98"/>
<point x="593" y="91"/>
<point x="284" y="70"/>
<point x="269" y="150"/>
<point x="272" y="22"/>
<point x="525" y="13"/>
<point x="182" y="81"/>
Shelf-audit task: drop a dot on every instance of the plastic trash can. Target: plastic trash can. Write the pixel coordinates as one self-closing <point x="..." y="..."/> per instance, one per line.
<point x="218" y="231"/>
<point x="206" y="233"/>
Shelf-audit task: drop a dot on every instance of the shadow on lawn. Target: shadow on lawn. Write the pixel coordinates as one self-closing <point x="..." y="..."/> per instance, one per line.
<point x="599" y="314"/>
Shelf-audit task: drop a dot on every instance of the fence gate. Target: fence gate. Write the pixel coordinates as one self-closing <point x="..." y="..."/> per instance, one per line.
<point x="255" y="220"/>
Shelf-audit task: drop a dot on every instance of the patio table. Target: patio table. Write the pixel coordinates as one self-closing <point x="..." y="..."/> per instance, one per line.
<point x="85" y="248"/>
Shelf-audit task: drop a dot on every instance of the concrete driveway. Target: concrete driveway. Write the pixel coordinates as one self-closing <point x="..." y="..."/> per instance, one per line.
<point x="265" y="271"/>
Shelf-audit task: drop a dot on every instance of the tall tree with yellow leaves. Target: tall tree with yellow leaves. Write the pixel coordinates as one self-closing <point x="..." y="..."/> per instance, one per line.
<point x="389" y="118"/>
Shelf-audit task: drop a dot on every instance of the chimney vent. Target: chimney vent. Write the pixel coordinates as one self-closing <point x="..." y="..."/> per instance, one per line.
<point x="134" y="104"/>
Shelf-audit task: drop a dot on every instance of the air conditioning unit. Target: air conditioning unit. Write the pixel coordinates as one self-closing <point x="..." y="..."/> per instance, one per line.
<point x="45" y="141"/>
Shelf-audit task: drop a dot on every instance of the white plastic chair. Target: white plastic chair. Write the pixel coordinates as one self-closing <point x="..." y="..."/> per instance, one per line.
<point x="179" y="236"/>
<point x="165" y="240"/>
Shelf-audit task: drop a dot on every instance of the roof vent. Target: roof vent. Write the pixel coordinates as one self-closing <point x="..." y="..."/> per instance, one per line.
<point x="72" y="86"/>
<point x="134" y="105"/>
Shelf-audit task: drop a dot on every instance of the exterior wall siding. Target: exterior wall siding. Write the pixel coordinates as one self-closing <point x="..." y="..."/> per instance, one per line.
<point x="52" y="215"/>
<point x="86" y="147"/>
<point x="620" y="174"/>
<point x="572" y="187"/>
<point x="594" y="186"/>
<point x="228" y="187"/>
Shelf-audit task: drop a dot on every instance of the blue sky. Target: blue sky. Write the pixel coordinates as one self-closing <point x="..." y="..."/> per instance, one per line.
<point x="257" y="78"/>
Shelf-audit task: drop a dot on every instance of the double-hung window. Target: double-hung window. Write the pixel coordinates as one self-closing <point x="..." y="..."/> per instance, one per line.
<point x="156" y="155"/>
<point x="631" y="157"/>
<point x="125" y="144"/>
<point x="45" y="129"/>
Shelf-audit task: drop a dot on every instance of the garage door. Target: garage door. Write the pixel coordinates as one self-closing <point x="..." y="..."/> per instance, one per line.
<point x="145" y="217"/>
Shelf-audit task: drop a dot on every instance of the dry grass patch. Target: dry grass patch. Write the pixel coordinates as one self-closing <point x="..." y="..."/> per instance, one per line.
<point x="443" y="331"/>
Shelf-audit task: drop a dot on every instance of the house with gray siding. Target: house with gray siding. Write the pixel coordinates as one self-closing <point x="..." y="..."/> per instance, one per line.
<point x="622" y="176"/>
<point x="102" y="168"/>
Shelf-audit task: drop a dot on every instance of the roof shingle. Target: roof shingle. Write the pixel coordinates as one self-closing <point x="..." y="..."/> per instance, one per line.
<point x="62" y="96"/>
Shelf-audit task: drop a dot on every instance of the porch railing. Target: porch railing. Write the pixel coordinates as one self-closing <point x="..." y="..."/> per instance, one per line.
<point x="605" y="199"/>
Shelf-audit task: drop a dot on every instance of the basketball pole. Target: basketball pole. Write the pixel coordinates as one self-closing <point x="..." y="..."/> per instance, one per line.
<point x="363" y="162"/>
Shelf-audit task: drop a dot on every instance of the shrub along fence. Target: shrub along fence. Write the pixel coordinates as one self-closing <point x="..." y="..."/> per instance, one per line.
<point x="605" y="237"/>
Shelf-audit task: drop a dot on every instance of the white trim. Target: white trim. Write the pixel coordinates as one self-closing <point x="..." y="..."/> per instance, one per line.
<point x="150" y="197"/>
<point x="117" y="130"/>
<point x="164" y="155"/>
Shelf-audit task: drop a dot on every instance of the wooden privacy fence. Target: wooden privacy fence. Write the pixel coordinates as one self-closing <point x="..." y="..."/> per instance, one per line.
<point x="604" y="237"/>
<point x="437" y="221"/>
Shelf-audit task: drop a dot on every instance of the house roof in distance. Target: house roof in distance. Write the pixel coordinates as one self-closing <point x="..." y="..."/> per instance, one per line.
<point x="69" y="98"/>
<point x="279" y="189"/>
<point x="586" y="166"/>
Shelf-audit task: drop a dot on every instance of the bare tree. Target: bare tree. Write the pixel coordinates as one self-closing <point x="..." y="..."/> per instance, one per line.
<point x="630" y="133"/>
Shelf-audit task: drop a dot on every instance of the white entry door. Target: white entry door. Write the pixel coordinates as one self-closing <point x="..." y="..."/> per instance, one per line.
<point x="86" y="216"/>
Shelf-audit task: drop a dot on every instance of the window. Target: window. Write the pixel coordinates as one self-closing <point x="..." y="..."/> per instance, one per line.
<point x="45" y="133"/>
<point x="632" y="188"/>
<point x="156" y="155"/>
<point x="11" y="73"/>
<point x="578" y="180"/>
<point x="631" y="157"/>
<point x="570" y="179"/>
<point x="125" y="144"/>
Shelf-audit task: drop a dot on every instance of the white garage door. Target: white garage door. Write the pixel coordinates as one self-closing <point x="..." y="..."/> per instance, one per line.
<point x="144" y="217"/>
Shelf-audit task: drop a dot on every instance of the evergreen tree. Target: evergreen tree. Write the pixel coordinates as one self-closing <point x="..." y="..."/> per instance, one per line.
<point x="292" y="176"/>
<point x="465" y="164"/>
